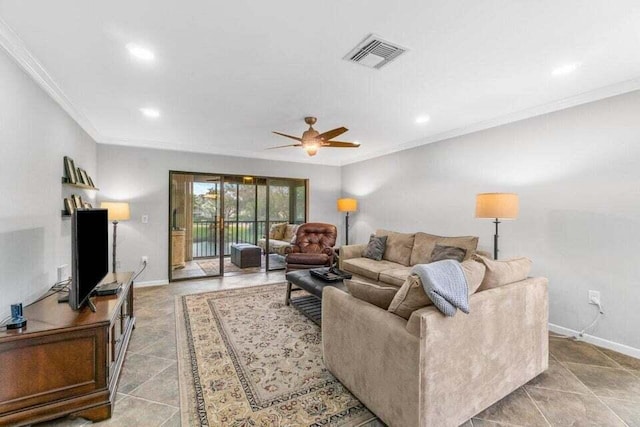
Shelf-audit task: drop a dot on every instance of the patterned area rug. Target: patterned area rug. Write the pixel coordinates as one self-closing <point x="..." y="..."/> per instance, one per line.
<point x="211" y="267"/>
<point x="245" y="359"/>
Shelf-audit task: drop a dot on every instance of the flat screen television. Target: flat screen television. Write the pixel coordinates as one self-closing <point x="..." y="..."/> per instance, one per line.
<point x="89" y="253"/>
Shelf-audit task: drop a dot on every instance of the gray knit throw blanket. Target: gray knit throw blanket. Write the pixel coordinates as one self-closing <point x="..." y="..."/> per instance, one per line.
<point x="445" y="284"/>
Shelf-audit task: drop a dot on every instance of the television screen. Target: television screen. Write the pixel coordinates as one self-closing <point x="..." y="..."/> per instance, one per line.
<point x="90" y="253"/>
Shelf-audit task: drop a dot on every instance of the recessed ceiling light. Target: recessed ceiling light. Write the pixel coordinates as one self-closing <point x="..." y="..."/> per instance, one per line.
<point x="140" y="52"/>
<point x="152" y="113"/>
<point x="565" y="69"/>
<point x="422" y="119"/>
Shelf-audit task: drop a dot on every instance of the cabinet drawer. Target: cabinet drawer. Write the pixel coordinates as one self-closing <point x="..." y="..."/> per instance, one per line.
<point x="51" y="367"/>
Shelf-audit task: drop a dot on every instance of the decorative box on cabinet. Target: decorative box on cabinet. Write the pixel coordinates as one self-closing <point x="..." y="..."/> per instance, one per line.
<point x="66" y="362"/>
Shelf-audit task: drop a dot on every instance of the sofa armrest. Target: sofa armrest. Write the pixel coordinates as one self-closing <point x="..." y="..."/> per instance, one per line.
<point x="351" y="251"/>
<point x="499" y="346"/>
<point x="370" y="351"/>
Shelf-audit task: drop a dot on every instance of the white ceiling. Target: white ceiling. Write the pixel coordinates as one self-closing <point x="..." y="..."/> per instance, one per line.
<point x="228" y="73"/>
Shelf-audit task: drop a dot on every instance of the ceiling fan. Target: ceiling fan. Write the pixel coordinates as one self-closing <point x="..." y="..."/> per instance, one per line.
<point x="312" y="140"/>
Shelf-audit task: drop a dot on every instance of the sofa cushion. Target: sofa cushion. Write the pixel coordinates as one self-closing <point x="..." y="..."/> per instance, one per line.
<point x="290" y="232"/>
<point x="500" y="273"/>
<point x="412" y="296"/>
<point x="442" y="252"/>
<point x="375" y="248"/>
<point x="276" y="231"/>
<point x="474" y="272"/>
<point x="275" y="246"/>
<point x="409" y="298"/>
<point x="399" y="246"/>
<point x="377" y="295"/>
<point x="367" y="267"/>
<point x="425" y="244"/>
<point x="395" y="276"/>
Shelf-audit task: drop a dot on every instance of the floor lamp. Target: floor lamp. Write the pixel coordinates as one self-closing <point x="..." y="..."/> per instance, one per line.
<point x="118" y="211"/>
<point x="347" y="205"/>
<point x="497" y="206"/>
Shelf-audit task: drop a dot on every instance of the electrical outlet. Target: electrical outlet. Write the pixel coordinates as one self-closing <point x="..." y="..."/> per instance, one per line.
<point x="62" y="272"/>
<point x="118" y="265"/>
<point x="145" y="219"/>
<point x="145" y="259"/>
<point x="594" y="297"/>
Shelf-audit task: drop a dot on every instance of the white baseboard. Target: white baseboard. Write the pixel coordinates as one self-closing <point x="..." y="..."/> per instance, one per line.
<point x="601" y="342"/>
<point x="151" y="283"/>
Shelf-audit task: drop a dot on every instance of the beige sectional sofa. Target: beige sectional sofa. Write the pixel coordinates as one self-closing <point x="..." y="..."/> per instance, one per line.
<point x="429" y="369"/>
<point x="403" y="251"/>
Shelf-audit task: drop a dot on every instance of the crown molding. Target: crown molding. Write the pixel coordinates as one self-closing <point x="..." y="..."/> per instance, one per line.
<point x="168" y="146"/>
<point x="573" y="101"/>
<point x="16" y="48"/>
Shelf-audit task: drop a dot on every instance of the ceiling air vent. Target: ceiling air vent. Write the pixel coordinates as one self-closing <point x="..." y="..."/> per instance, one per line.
<point x="374" y="52"/>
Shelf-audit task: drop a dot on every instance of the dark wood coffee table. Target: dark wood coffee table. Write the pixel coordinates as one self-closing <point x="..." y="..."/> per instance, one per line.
<point x="309" y="305"/>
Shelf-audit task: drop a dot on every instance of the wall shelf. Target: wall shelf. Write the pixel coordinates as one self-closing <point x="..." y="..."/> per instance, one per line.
<point x="83" y="186"/>
<point x="66" y="183"/>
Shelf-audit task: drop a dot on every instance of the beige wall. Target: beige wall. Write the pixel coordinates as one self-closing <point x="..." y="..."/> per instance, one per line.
<point x="35" y="135"/>
<point x="141" y="176"/>
<point x="577" y="172"/>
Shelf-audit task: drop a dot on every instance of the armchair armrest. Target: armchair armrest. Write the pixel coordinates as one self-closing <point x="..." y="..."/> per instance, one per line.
<point x="292" y="249"/>
<point x="330" y="253"/>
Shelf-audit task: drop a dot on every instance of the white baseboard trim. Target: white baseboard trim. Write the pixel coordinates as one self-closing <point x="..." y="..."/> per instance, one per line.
<point x="151" y="283"/>
<point x="601" y="342"/>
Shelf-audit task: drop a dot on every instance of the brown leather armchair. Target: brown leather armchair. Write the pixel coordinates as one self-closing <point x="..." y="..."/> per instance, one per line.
<point x="313" y="247"/>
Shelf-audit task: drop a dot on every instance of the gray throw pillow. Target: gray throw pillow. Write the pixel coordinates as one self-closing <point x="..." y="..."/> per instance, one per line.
<point x="441" y="252"/>
<point x="375" y="248"/>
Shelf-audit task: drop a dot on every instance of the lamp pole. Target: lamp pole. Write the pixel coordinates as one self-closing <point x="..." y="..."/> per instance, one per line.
<point x="495" y="240"/>
<point x="115" y="230"/>
<point x="346" y="231"/>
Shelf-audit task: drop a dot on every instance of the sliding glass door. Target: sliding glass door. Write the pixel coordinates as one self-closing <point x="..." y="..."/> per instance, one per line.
<point x="195" y="221"/>
<point x="212" y="215"/>
<point x="287" y="204"/>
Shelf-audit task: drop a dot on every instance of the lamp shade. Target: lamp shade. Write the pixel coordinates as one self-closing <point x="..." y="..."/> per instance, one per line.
<point x="497" y="205"/>
<point x="118" y="211"/>
<point x="347" y="205"/>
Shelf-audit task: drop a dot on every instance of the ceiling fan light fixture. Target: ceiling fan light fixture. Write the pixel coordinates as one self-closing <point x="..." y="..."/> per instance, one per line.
<point x="312" y="148"/>
<point x="312" y="140"/>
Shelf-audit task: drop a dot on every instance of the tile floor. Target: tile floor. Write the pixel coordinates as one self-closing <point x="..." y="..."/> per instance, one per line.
<point x="211" y="266"/>
<point x="584" y="386"/>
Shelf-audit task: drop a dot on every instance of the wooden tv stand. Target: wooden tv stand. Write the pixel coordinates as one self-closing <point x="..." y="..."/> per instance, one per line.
<point x="66" y="362"/>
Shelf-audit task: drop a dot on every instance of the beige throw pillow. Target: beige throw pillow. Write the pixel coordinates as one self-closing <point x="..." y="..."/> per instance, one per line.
<point x="398" y="246"/>
<point x="500" y="273"/>
<point x="380" y="296"/>
<point x="290" y="232"/>
<point x="412" y="296"/>
<point x="276" y="231"/>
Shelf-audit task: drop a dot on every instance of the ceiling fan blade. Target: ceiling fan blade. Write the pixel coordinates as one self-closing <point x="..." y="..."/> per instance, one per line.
<point x="340" y="144"/>
<point x="288" y="136"/>
<point x="330" y="134"/>
<point x="284" y="146"/>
